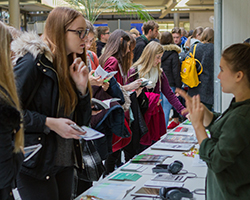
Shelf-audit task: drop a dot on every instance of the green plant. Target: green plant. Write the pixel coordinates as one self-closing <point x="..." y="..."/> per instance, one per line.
<point x="92" y="9"/>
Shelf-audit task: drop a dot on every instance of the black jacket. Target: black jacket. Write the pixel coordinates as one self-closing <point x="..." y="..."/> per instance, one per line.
<point x="171" y="65"/>
<point x="31" y="69"/>
<point x="141" y="43"/>
<point x="10" y="163"/>
<point x="99" y="47"/>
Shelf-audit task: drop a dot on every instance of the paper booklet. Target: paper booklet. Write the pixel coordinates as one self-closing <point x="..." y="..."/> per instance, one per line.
<point x="176" y="138"/>
<point x="30" y="151"/>
<point x="90" y="134"/>
<point x="102" y="104"/>
<point x="172" y="146"/>
<point x="149" y="159"/>
<point x="133" y="167"/>
<point x="103" y="74"/>
<point x="111" y="191"/>
<point x="125" y="176"/>
<point x="183" y="130"/>
<point x="169" y="177"/>
<point x="151" y="183"/>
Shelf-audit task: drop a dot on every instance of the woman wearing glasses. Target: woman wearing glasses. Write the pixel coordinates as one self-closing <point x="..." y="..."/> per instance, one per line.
<point x="54" y="91"/>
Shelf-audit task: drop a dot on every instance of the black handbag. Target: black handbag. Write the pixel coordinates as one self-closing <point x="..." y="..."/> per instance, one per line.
<point x="93" y="167"/>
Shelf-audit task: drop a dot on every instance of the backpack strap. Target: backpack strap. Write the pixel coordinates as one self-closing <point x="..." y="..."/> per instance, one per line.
<point x="194" y="49"/>
<point x="197" y="60"/>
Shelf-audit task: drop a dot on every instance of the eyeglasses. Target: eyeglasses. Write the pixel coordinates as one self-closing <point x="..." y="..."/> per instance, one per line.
<point x="106" y="33"/>
<point x="82" y="33"/>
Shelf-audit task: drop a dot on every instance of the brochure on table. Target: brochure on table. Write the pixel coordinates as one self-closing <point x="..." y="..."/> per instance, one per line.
<point x="110" y="191"/>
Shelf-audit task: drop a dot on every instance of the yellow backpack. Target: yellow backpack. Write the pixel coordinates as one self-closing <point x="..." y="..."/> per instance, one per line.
<point x="189" y="74"/>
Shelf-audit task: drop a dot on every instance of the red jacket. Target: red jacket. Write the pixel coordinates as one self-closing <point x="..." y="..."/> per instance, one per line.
<point x="155" y="120"/>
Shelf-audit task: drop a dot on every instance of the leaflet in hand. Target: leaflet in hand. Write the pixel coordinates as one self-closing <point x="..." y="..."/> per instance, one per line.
<point x="30" y="151"/>
<point x="145" y="82"/>
<point x="100" y="105"/>
<point x="103" y="74"/>
<point x="90" y="134"/>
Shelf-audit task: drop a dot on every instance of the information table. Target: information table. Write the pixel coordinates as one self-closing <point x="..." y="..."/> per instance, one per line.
<point x="193" y="165"/>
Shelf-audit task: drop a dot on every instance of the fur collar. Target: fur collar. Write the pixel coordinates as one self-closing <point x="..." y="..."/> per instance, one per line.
<point x="29" y="42"/>
<point x="172" y="47"/>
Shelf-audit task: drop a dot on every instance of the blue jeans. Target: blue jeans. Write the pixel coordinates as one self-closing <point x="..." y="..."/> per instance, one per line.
<point x="166" y="106"/>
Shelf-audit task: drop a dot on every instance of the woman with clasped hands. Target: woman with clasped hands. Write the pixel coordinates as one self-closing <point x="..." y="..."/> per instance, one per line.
<point x="227" y="152"/>
<point x="62" y="98"/>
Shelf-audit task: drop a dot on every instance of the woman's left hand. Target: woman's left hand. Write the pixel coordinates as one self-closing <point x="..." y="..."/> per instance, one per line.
<point x="79" y="73"/>
<point x="196" y="110"/>
<point x="105" y="86"/>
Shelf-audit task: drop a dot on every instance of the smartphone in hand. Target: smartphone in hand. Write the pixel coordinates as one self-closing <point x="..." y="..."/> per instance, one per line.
<point x="78" y="128"/>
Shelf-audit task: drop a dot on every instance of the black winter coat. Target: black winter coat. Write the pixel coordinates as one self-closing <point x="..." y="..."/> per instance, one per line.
<point x="30" y="71"/>
<point x="171" y="65"/>
<point x="141" y="43"/>
<point x="10" y="163"/>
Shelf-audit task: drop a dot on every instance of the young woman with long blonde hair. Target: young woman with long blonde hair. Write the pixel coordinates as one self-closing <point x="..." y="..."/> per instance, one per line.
<point x="148" y="66"/>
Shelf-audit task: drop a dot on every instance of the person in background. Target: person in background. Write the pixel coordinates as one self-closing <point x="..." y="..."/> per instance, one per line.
<point x="139" y="105"/>
<point x="226" y="153"/>
<point x="11" y="128"/>
<point x="148" y="66"/>
<point x="195" y="38"/>
<point x="150" y="31"/>
<point x="93" y="61"/>
<point x="103" y="33"/>
<point x="176" y="33"/>
<point x="116" y="58"/>
<point x="183" y="36"/>
<point x="50" y="66"/>
<point x="170" y="64"/>
<point x="135" y="33"/>
<point x="205" y="54"/>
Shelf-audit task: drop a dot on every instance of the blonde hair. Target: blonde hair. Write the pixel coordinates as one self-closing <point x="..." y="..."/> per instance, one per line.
<point x="56" y="26"/>
<point x="7" y="80"/>
<point x="146" y="61"/>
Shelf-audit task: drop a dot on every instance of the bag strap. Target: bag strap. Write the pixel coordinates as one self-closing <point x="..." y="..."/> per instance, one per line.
<point x="201" y="67"/>
<point x="194" y="49"/>
<point x="197" y="60"/>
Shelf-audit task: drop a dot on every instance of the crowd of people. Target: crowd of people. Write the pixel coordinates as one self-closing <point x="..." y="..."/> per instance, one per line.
<point x="47" y="83"/>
